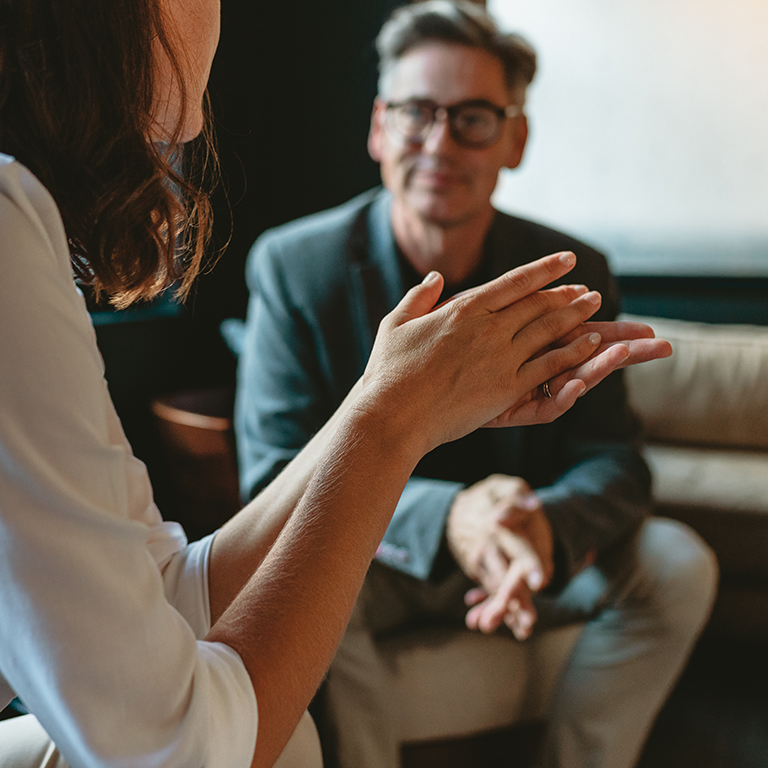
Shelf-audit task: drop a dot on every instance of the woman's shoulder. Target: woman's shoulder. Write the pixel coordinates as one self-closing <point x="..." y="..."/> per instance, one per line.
<point x="22" y="187"/>
<point x="26" y="207"/>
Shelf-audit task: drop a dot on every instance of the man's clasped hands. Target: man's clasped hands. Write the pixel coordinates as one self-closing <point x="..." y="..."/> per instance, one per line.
<point x="497" y="529"/>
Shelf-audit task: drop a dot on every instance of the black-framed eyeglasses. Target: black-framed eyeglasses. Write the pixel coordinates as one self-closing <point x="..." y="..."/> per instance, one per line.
<point x="475" y="123"/>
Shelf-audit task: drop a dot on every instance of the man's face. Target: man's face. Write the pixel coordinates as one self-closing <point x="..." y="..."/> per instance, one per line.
<point x="436" y="178"/>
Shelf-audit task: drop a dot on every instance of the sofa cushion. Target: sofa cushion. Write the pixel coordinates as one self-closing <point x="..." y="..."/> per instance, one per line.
<point x="709" y="478"/>
<point x="713" y="391"/>
<point x="724" y="496"/>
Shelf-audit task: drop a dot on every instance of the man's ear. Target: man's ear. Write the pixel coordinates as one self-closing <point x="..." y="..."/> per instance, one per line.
<point x="376" y="131"/>
<point x="519" y="128"/>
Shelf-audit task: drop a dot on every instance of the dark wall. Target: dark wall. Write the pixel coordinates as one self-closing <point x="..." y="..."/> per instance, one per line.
<point x="697" y="298"/>
<point x="292" y="88"/>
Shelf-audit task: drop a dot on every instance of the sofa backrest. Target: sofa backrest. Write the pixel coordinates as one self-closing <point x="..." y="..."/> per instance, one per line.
<point x="713" y="391"/>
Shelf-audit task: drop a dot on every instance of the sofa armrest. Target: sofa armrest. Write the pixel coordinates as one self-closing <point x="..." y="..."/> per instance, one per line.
<point x="713" y="391"/>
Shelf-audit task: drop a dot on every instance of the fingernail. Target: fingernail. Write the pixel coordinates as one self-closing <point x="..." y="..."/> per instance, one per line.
<point x="430" y="278"/>
<point x="530" y="502"/>
<point x="534" y="580"/>
<point x="568" y="258"/>
<point x="594" y="338"/>
<point x="583" y="390"/>
<point x="593" y="297"/>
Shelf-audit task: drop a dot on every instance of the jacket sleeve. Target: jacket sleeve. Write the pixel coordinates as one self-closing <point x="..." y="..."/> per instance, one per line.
<point x="603" y="493"/>
<point x="600" y="490"/>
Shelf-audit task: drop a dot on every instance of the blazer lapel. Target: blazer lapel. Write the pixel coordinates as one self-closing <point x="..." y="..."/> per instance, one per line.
<point x="375" y="282"/>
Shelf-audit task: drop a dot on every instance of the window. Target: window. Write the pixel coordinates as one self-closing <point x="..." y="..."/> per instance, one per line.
<point x="648" y="131"/>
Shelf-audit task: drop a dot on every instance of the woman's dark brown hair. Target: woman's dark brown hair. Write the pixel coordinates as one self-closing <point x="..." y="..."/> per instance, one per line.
<point x="76" y="107"/>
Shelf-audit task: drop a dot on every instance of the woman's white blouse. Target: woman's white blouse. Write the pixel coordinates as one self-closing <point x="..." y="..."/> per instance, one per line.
<point x="103" y="606"/>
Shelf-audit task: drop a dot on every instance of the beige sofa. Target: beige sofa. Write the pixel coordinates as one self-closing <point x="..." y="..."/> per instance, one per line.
<point x="705" y="411"/>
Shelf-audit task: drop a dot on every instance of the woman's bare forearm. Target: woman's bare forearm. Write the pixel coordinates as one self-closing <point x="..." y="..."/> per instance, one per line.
<point x="287" y="620"/>
<point x="243" y="543"/>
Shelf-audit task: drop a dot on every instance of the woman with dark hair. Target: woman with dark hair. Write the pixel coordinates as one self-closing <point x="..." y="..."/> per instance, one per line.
<point x="131" y="646"/>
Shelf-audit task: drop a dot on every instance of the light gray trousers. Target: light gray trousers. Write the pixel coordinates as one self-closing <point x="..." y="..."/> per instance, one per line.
<point x="644" y="607"/>
<point x="24" y="744"/>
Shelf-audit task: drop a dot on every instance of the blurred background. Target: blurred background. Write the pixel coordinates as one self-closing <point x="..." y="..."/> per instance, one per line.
<point x="647" y="132"/>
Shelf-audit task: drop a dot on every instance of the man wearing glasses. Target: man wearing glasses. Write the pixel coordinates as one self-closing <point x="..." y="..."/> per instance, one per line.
<point x="537" y="525"/>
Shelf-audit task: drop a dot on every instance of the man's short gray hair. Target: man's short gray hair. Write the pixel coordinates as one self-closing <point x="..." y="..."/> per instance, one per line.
<point x="459" y="22"/>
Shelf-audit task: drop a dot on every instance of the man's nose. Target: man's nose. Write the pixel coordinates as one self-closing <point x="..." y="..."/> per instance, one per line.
<point x="438" y="138"/>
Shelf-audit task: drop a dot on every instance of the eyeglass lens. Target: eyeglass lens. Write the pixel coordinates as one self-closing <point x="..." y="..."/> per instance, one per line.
<point x="471" y="123"/>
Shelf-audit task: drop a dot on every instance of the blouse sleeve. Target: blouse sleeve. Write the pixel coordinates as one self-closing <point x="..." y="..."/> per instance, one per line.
<point x="88" y="638"/>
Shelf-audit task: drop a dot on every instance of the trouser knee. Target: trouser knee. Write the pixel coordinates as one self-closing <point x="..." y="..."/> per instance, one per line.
<point x="679" y="571"/>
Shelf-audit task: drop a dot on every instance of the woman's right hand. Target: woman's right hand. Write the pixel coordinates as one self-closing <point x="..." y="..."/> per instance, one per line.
<point x="442" y="373"/>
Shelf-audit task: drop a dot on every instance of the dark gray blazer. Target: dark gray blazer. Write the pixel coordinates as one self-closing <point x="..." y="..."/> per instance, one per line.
<point x="319" y="287"/>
